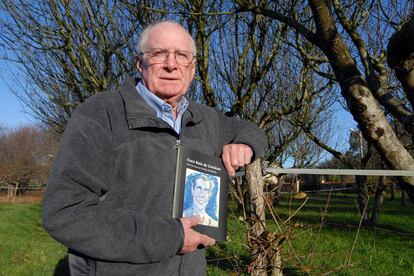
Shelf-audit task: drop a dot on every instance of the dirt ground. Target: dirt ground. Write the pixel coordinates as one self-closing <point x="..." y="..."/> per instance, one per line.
<point x="30" y="196"/>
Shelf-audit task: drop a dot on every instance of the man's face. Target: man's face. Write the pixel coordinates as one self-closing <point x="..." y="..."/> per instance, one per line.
<point x="168" y="80"/>
<point x="201" y="193"/>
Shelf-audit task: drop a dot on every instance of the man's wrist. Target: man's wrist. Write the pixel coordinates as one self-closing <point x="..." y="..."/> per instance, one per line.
<point x="181" y="237"/>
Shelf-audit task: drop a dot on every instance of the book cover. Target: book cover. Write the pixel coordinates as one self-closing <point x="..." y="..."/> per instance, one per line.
<point x="201" y="189"/>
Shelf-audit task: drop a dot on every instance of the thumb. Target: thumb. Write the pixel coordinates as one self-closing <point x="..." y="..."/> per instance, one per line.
<point x="194" y="220"/>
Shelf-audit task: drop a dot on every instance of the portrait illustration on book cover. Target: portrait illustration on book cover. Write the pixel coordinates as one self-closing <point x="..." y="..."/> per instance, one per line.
<point x="200" y="189"/>
<point x="201" y="197"/>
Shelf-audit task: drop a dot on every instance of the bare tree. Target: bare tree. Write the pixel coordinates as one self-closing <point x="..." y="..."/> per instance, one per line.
<point x="68" y="50"/>
<point x="357" y="61"/>
<point x="26" y="157"/>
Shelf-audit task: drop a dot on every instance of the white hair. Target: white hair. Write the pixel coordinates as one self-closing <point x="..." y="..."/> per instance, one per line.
<point x="144" y="34"/>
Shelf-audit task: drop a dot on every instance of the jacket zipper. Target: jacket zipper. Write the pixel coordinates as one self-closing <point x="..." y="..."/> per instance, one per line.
<point x="176" y="196"/>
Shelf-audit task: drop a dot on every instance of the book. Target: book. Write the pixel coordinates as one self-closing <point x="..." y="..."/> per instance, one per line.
<point x="201" y="189"/>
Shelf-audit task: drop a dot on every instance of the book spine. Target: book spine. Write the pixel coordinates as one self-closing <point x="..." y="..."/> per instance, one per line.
<point x="176" y="196"/>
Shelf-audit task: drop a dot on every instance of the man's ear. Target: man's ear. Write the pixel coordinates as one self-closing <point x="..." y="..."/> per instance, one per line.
<point x="139" y="63"/>
<point x="194" y="69"/>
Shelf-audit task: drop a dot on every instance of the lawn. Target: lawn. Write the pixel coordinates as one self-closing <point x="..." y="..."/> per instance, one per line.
<point x="25" y="248"/>
<point x="388" y="249"/>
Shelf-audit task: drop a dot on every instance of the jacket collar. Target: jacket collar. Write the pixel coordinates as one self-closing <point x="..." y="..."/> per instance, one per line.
<point x="139" y="114"/>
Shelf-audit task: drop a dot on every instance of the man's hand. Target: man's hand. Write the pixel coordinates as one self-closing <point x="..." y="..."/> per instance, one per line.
<point x="235" y="156"/>
<point x="192" y="239"/>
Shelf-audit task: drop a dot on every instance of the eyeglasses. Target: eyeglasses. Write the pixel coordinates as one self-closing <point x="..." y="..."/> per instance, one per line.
<point x="160" y="56"/>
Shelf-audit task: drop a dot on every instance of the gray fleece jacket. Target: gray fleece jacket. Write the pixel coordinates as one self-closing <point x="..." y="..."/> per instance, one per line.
<point x="109" y="196"/>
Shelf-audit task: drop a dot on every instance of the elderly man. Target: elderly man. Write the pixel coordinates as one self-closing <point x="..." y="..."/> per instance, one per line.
<point x="109" y="197"/>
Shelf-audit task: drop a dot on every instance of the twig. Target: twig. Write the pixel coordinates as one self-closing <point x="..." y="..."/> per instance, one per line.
<point x="297" y="210"/>
<point x="320" y="228"/>
<point x="290" y="204"/>
<point x="187" y="13"/>
<point x="356" y="236"/>
<point x="280" y="230"/>
<point x="339" y="268"/>
<point x="240" y="196"/>
<point x="374" y="228"/>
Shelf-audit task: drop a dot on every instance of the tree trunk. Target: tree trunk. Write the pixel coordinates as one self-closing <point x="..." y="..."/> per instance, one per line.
<point x="358" y="95"/>
<point x="257" y="218"/>
<point x="400" y="57"/>
<point x="16" y="188"/>
<point x="408" y="189"/>
<point x="265" y="255"/>
<point x="280" y="182"/>
<point x="378" y="201"/>
<point x="10" y="189"/>
<point x="362" y="197"/>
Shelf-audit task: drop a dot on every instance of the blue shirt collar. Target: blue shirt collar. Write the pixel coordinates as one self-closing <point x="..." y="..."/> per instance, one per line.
<point x="163" y="109"/>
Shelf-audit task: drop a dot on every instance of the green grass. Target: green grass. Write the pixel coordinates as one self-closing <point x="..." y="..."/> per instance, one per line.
<point x="388" y="249"/>
<point x="25" y="248"/>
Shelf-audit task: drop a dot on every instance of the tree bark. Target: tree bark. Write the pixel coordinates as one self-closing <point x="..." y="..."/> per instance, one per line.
<point x="378" y="201"/>
<point x="257" y="218"/>
<point x="10" y="191"/>
<point x="281" y="180"/>
<point x="400" y="57"/>
<point x="362" y="196"/>
<point x="264" y="252"/>
<point x="402" y="197"/>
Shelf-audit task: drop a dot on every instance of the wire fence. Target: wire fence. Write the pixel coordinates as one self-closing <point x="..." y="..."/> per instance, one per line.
<point x="341" y="186"/>
<point x="23" y="189"/>
<point x="291" y="171"/>
<point x="278" y="171"/>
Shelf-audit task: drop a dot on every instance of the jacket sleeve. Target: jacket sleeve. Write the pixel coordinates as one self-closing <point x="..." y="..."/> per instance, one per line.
<point x="236" y="131"/>
<point x="76" y="213"/>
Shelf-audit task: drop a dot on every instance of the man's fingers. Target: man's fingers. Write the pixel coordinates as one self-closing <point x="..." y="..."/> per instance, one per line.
<point x="248" y="154"/>
<point x="241" y="157"/>
<point x="230" y="159"/>
<point x="193" y="239"/>
<point x="227" y="162"/>
<point x="207" y="241"/>
<point x="235" y="156"/>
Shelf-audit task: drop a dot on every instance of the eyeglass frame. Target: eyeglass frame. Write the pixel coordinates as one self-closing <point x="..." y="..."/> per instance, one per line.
<point x="193" y="57"/>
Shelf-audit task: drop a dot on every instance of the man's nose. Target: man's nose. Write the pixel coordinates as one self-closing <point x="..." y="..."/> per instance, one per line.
<point x="171" y="62"/>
